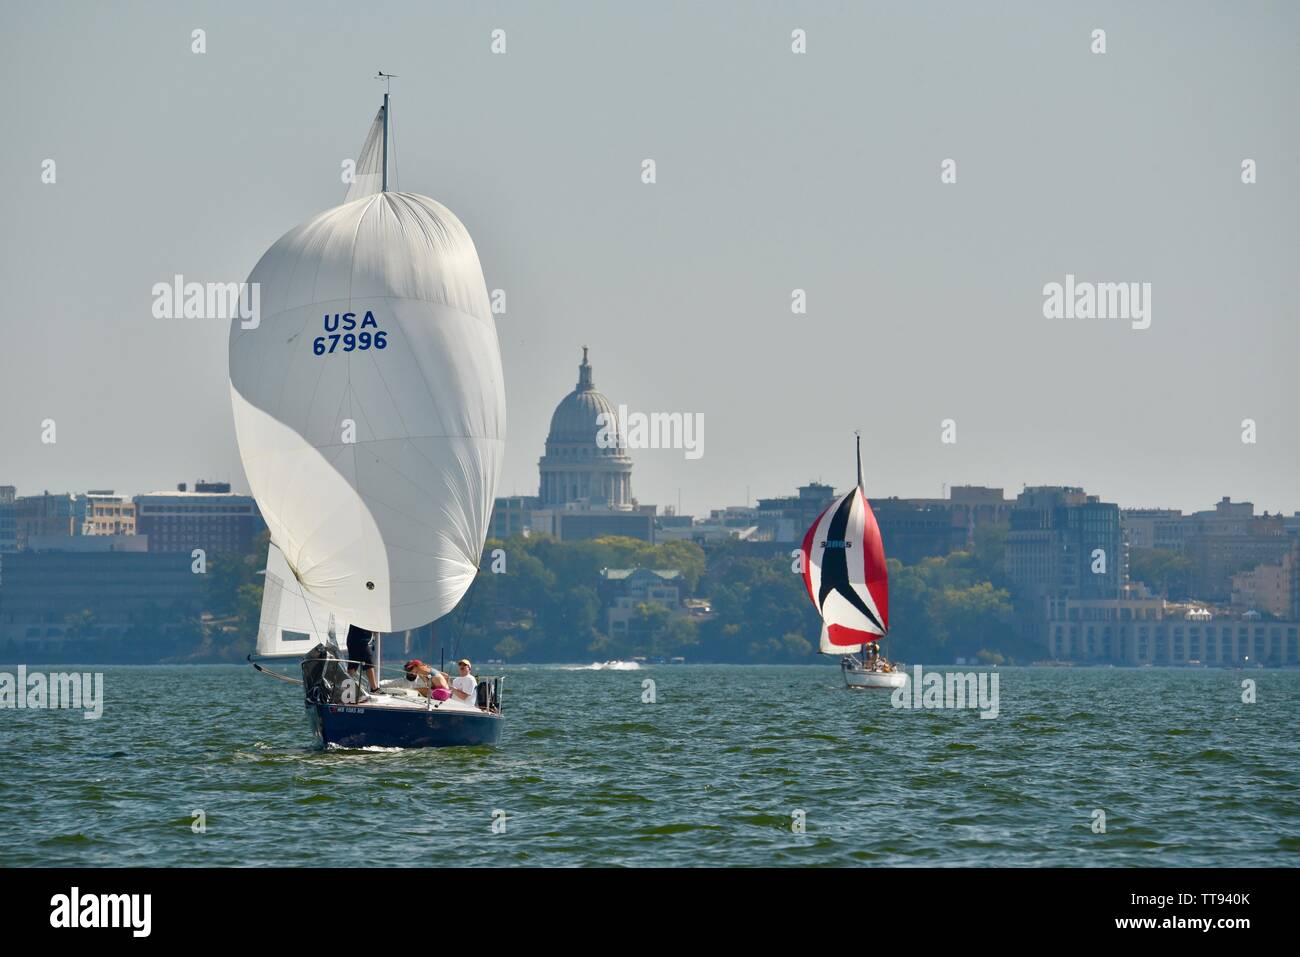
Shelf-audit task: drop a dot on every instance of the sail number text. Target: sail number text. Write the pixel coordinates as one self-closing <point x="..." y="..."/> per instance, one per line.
<point x="348" y="340"/>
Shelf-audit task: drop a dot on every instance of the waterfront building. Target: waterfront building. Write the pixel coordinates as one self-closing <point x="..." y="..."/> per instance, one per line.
<point x="88" y="593"/>
<point x="1149" y="631"/>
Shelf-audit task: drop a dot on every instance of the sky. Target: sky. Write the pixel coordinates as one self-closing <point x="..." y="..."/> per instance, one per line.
<point x="775" y="171"/>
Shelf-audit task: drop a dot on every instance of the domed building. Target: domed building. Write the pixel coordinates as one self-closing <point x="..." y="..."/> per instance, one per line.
<point x="576" y="469"/>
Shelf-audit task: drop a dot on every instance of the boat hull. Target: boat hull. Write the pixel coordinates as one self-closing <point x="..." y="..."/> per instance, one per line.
<point x="359" y="726"/>
<point x="854" y="678"/>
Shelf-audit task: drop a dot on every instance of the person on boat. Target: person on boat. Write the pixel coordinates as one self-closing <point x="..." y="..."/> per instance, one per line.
<point x="427" y="681"/>
<point x="464" y="687"/>
<point x="359" y="654"/>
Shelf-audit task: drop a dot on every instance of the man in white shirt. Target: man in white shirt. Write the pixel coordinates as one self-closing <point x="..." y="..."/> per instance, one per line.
<point x="464" y="687"/>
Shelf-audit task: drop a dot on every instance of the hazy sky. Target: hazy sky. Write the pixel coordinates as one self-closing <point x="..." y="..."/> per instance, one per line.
<point x="775" y="171"/>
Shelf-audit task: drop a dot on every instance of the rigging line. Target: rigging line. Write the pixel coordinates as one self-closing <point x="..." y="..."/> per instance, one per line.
<point x="464" y="617"/>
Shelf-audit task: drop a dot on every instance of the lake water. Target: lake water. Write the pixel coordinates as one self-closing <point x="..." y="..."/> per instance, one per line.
<point x="711" y="773"/>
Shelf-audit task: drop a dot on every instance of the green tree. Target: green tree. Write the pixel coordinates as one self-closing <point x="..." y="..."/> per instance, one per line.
<point x="1166" y="573"/>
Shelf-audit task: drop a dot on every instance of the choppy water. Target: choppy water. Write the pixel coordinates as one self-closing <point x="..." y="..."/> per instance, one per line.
<point x="710" y="774"/>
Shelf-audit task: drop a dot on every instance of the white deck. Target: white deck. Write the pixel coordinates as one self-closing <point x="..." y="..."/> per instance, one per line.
<point x="400" y="695"/>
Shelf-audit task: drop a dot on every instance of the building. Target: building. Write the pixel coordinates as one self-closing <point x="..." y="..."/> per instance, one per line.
<point x="1062" y="544"/>
<point x="788" y="518"/>
<point x="586" y="473"/>
<point x="1149" y="631"/>
<point x="1164" y="528"/>
<point x="88" y="543"/>
<point x="739" y="522"/>
<point x="210" y="518"/>
<point x="8" y="519"/>
<point x="626" y="588"/>
<point x="918" y="528"/>
<point x="578" y="523"/>
<point x="1228" y="540"/>
<point x="576" y="469"/>
<point x="512" y="515"/>
<point x="44" y="514"/>
<point x="104" y="513"/>
<point x="912" y="528"/>
<point x="1267" y="588"/>
<point x="53" y="602"/>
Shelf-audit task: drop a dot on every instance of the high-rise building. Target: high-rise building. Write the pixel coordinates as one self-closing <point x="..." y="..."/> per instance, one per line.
<point x="1063" y="544"/>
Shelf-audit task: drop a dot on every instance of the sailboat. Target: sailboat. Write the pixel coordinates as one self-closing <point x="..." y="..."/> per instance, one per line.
<point x="848" y="583"/>
<point x="369" y="408"/>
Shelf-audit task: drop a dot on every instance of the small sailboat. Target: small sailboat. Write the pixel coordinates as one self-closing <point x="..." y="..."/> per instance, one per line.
<point x="848" y="583"/>
<point x="369" y="408"/>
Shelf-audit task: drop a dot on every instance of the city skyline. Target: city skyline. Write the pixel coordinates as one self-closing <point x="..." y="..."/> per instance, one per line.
<point x="924" y="298"/>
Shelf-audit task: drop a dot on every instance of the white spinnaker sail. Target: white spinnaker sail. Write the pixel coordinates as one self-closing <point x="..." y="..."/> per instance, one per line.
<point x="368" y="177"/>
<point x="292" y="624"/>
<point x="370" y="408"/>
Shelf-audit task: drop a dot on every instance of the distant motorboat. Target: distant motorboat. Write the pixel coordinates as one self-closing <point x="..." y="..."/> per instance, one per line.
<point x="614" y="666"/>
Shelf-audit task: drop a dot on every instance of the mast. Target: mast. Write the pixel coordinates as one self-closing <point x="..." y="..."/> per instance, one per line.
<point x="388" y="84"/>
<point x="385" y="186"/>
<point x="857" y="434"/>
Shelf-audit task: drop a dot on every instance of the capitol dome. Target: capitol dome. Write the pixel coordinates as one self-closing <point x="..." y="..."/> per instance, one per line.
<point x="575" y="468"/>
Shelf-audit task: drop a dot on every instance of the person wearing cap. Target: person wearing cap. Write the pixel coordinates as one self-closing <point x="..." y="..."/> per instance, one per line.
<point x="464" y="687"/>
<point x="427" y="681"/>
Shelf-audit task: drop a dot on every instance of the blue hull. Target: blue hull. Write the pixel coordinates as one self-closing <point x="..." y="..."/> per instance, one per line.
<point x="357" y="726"/>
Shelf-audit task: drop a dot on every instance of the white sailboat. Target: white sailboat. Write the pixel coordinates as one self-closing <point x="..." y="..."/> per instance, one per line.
<point x="369" y="407"/>
<point x="847" y="580"/>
